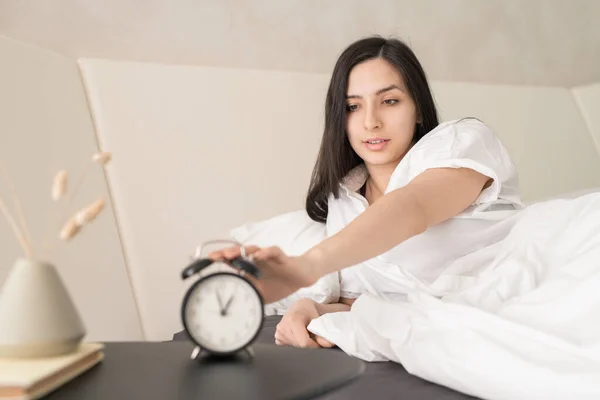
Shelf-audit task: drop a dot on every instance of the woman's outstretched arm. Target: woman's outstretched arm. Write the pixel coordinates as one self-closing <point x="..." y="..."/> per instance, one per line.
<point x="431" y="198"/>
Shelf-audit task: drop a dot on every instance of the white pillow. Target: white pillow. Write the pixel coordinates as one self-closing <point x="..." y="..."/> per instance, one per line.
<point x="294" y="233"/>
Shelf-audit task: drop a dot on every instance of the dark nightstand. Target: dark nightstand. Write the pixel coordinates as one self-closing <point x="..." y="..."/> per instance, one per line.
<point x="164" y="370"/>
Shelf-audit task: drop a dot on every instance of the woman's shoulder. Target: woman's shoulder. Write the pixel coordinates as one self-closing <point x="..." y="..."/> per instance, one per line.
<point x="466" y="124"/>
<point x="463" y="143"/>
<point x="457" y="134"/>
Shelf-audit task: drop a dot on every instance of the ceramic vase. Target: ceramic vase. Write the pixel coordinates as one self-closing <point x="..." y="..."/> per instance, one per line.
<point x="37" y="315"/>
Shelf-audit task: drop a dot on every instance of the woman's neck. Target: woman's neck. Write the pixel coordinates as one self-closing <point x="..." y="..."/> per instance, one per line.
<point x="377" y="182"/>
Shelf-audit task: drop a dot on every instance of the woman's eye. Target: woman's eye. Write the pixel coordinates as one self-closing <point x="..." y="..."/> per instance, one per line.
<point x="390" y="101"/>
<point x="352" y="107"/>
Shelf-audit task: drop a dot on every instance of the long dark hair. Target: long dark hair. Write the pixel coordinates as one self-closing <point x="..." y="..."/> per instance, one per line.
<point x="336" y="157"/>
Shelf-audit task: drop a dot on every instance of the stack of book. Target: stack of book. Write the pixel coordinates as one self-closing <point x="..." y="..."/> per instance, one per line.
<point x="32" y="378"/>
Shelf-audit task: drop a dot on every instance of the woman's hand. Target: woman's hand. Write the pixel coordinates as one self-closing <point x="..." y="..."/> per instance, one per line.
<point x="291" y="330"/>
<point x="282" y="275"/>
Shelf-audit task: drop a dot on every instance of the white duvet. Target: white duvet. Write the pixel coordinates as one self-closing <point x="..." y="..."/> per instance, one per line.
<point x="527" y="327"/>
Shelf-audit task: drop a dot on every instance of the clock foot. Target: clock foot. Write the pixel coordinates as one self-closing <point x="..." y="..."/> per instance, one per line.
<point x="249" y="351"/>
<point x="196" y="352"/>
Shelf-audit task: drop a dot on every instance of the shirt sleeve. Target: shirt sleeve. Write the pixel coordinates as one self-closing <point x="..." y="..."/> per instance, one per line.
<point x="467" y="143"/>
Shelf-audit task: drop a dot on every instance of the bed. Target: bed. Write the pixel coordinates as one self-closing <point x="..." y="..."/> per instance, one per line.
<point x="380" y="380"/>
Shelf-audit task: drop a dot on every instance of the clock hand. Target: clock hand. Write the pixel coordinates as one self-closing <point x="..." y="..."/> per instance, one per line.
<point x="228" y="304"/>
<point x="223" y="309"/>
<point x="230" y="300"/>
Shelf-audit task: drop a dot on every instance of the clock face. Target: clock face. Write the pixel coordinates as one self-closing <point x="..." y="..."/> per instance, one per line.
<point x="223" y="312"/>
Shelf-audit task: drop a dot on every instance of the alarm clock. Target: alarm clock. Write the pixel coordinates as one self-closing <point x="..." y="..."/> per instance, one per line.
<point x="222" y="311"/>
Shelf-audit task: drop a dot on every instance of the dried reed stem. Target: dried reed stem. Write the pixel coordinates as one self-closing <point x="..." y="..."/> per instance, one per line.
<point x="80" y="219"/>
<point x="102" y="159"/>
<point x="59" y="189"/>
<point x="23" y="233"/>
<point x="15" y="228"/>
<point x="73" y="225"/>
<point x="79" y="182"/>
<point x="89" y="213"/>
<point x="67" y="229"/>
<point x="59" y="185"/>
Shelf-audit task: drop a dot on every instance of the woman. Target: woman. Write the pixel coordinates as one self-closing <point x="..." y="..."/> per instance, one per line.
<point x="402" y="196"/>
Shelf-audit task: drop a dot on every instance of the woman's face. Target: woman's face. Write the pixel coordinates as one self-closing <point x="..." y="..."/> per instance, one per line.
<point x="381" y="114"/>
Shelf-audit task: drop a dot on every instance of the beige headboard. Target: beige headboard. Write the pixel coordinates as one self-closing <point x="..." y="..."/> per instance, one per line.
<point x="200" y="150"/>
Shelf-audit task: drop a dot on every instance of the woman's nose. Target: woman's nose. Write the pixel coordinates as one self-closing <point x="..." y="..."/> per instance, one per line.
<point x="372" y="119"/>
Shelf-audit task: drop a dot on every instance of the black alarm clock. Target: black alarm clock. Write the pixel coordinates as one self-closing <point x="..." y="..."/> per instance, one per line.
<point x="222" y="312"/>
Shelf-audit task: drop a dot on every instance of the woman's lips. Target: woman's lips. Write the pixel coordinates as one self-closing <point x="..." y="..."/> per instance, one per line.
<point x="376" y="144"/>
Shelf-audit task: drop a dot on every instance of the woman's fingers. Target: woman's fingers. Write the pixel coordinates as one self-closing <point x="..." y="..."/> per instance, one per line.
<point x="292" y="332"/>
<point x="217" y="255"/>
<point x="323" y="342"/>
<point x="281" y="339"/>
<point x="301" y="336"/>
<point x="230" y="253"/>
<point x="283" y="332"/>
<point x="281" y="275"/>
<point x="267" y="253"/>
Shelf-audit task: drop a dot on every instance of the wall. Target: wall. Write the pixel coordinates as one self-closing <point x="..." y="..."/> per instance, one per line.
<point x="533" y="42"/>
<point x="45" y="125"/>
<point x="541" y="126"/>
<point x="588" y="100"/>
<point x="199" y="150"/>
